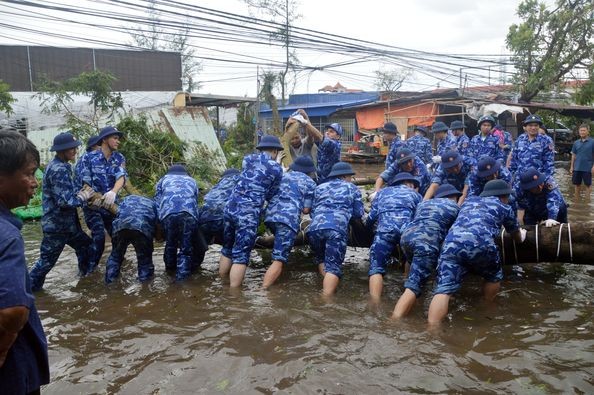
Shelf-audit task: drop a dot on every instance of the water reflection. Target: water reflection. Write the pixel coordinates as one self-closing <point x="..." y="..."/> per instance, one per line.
<point x="165" y="338"/>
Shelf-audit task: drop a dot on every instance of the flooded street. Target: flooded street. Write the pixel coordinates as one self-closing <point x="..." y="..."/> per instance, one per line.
<point x="199" y="337"/>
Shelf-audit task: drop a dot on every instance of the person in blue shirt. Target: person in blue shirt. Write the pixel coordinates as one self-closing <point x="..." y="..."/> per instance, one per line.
<point x="531" y="150"/>
<point x="104" y="171"/>
<point x="420" y="145"/>
<point x="176" y="197"/>
<point x="93" y="144"/>
<point x="60" y="222"/>
<point x="582" y="161"/>
<point x="470" y="246"/>
<point x="391" y="135"/>
<point x="462" y="140"/>
<point x="487" y="169"/>
<point x="335" y="203"/>
<point x="445" y="141"/>
<point x="540" y="200"/>
<point x="454" y="169"/>
<point x="24" y="365"/>
<point x="329" y="150"/>
<point x="421" y="241"/>
<point x="283" y="213"/>
<point x="135" y="223"/>
<point x="407" y="162"/>
<point x="258" y="182"/>
<point x="485" y="143"/>
<point x="391" y="210"/>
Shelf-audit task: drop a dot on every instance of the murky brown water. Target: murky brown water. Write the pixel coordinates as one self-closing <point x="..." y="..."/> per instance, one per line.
<point x="198" y="337"/>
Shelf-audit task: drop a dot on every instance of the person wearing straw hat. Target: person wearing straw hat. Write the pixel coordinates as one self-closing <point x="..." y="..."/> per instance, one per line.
<point x="258" y="182"/>
<point x="406" y="161"/>
<point x="60" y="224"/>
<point x="485" y="143"/>
<point x="420" y="145"/>
<point x="470" y="246"/>
<point x="454" y="169"/>
<point x="335" y="203"/>
<point x="421" y="241"/>
<point x="392" y="137"/>
<point x="295" y="142"/>
<point x="104" y="172"/>
<point x="391" y="210"/>
<point x="540" y="200"/>
<point x="283" y="213"/>
<point x="462" y="140"/>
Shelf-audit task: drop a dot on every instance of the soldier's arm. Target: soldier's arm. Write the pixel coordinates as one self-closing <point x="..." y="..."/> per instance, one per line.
<point x="431" y="191"/>
<point x="464" y="194"/>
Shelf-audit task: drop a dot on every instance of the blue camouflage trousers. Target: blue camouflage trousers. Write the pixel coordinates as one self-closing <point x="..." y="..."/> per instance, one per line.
<point x="329" y="248"/>
<point x="457" y="259"/>
<point x="240" y="236"/>
<point x="284" y="238"/>
<point x="98" y="221"/>
<point x="212" y="231"/>
<point x="381" y="250"/>
<point x="422" y="256"/>
<point x="179" y="232"/>
<point x="144" y="254"/>
<point x="50" y="250"/>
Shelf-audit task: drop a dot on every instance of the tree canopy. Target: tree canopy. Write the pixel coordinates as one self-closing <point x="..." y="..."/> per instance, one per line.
<point x="5" y="98"/>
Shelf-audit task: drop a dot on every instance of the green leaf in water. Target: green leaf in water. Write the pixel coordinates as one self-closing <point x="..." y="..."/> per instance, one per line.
<point x="222" y="385"/>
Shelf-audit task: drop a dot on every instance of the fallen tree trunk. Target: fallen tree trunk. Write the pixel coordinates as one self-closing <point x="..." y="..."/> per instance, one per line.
<point x="570" y="243"/>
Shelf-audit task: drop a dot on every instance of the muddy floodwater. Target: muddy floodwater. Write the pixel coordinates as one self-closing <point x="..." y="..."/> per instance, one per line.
<point x="199" y="337"/>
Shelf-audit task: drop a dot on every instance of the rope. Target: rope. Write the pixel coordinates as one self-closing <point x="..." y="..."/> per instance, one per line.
<point x="515" y="252"/>
<point x="537" y="255"/>
<point x="559" y="241"/>
<point x="570" y="243"/>
<point x="503" y="244"/>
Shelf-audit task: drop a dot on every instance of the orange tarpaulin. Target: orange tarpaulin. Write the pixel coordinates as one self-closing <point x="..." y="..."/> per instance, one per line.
<point x="422" y="114"/>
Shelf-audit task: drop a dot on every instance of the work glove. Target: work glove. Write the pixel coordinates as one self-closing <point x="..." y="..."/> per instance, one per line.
<point x="523" y="233"/>
<point x="109" y="197"/>
<point x="84" y="194"/>
<point x="372" y="196"/>
<point x="551" y="222"/>
<point x="436" y="159"/>
<point x="299" y="118"/>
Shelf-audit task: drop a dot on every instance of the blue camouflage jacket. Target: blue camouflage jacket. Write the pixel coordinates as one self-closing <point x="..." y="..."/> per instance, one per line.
<point x="457" y="180"/>
<point x="508" y="143"/>
<point x="82" y="162"/>
<point x="101" y="174"/>
<point x="393" y="208"/>
<point x="431" y="223"/>
<point x="476" y="184"/>
<point x="295" y="193"/>
<point x="479" y="222"/>
<point x="176" y="193"/>
<point x="136" y="213"/>
<point x="335" y="203"/>
<point x="488" y="146"/>
<point x="448" y="143"/>
<point x="395" y="145"/>
<point x="463" y="144"/>
<point x="421" y="147"/>
<point x="59" y="201"/>
<point x="419" y="171"/>
<point x="549" y="201"/>
<point x="537" y="153"/>
<point x="328" y="155"/>
<point x="215" y="200"/>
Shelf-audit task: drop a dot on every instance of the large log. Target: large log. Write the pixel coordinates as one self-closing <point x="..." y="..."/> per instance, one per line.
<point x="569" y="243"/>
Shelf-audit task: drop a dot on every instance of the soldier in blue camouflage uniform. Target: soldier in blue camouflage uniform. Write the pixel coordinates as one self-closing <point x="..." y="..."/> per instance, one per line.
<point x="392" y="136"/>
<point x="454" y="169"/>
<point x="462" y="140"/>
<point x="258" y="182"/>
<point x="391" y="210"/>
<point x="134" y="224"/>
<point x="93" y="144"/>
<point x="283" y="213"/>
<point x="177" y="204"/>
<point x="60" y="220"/>
<point x="487" y="169"/>
<point x="421" y="241"/>
<point x="420" y="145"/>
<point x="485" y="143"/>
<point x="531" y="150"/>
<point x="211" y="213"/>
<point x="329" y="150"/>
<point x="104" y="171"/>
<point x="336" y="202"/>
<point x="407" y="162"/>
<point x="445" y="141"/>
<point x="470" y="246"/>
<point x="540" y="200"/>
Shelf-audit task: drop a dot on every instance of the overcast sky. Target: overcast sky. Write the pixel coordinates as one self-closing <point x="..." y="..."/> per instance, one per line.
<point x="442" y="26"/>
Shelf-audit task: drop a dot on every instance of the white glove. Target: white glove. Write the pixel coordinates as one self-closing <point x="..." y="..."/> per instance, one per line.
<point x="299" y="118"/>
<point x="436" y="159"/>
<point x="109" y="197"/>
<point x="84" y="194"/>
<point x="523" y="233"/>
<point x="551" y="222"/>
<point x="372" y="196"/>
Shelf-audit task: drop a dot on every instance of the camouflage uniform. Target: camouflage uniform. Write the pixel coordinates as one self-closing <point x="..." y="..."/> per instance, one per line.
<point x="422" y="238"/>
<point x="463" y="144"/>
<point x="211" y="213"/>
<point x="284" y="211"/>
<point x="448" y="143"/>
<point x="392" y="209"/>
<point x="100" y="174"/>
<point x="395" y="145"/>
<point x="328" y="155"/>
<point x="258" y="182"/>
<point x="508" y="143"/>
<point x="335" y="203"/>
<point x="549" y="204"/>
<point x="470" y="243"/>
<point x="476" y="184"/>
<point x="457" y="180"/>
<point x="489" y="146"/>
<point x="134" y="224"/>
<point x="419" y="171"/>
<point x="177" y="204"/>
<point x="60" y="222"/>
<point x="421" y="147"/>
<point x="537" y="153"/>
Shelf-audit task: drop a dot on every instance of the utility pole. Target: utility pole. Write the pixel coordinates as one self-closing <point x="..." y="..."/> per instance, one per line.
<point x="257" y="103"/>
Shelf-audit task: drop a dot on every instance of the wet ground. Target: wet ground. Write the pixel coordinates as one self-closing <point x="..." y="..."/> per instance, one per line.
<point x="199" y="337"/>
